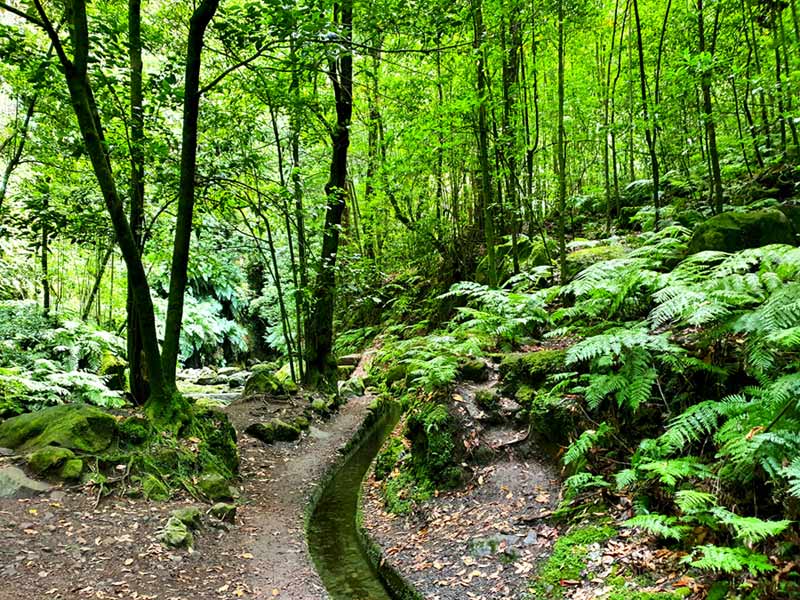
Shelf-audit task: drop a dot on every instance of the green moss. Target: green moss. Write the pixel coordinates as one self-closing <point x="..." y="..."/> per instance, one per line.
<point x="217" y="449"/>
<point x="474" y="370"/>
<point x="112" y="368"/>
<point x="432" y="432"/>
<point x="215" y="487"/>
<point x="74" y="426"/>
<point x="189" y="516"/>
<point x="396" y="373"/>
<point x="301" y="422"/>
<point x="578" y="260"/>
<point x="263" y="383"/>
<point x="273" y="431"/>
<point x="176" y="534"/>
<point x="155" y="489"/>
<point x="387" y="459"/>
<point x="552" y="416"/>
<point x="72" y="470"/>
<point x="733" y="231"/>
<point x="224" y="512"/>
<point x="134" y="430"/>
<point x="400" y="493"/>
<point x="568" y="560"/>
<point x="49" y="458"/>
<point x="487" y="400"/>
<point x="530" y="368"/>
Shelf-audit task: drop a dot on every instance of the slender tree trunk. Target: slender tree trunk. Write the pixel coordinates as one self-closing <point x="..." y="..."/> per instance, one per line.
<point x="561" y="149"/>
<point x="18" y="140"/>
<point x="708" y="116"/>
<point x="137" y="376"/>
<point x="98" y="280"/>
<point x="186" y="193"/>
<point x="45" y="239"/>
<point x="649" y="123"/>
<point x="320" y="362"/>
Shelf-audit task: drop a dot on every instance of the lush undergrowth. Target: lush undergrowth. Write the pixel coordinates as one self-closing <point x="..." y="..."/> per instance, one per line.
<point x="670" y="379"/>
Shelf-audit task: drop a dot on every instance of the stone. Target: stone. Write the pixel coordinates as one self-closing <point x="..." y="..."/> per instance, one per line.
<point x="155" y="489"/>
<point x="176" y="534"/>
<point x="75" y="426"/>
<point x="215" y="487"/>
<point x="71" y="470"/>
<point x="351" y="388"/>
<point x="238" y="380"/>
<point x="48" y="458"/>
<point x="6" y="452"/>
<point x="112" y="370"/>
<point x="302" y="422"/>
<point x="343" y="372"/>
<point x="474" y="370"/>
<point x="189" y="516"/>
<point x="275" y="430"/>
<point x="579" y="260"/>
<point x="212" y="379"/>
<point x="734" y="231"/>
<point x="263" y="384"/>
<point x="530" y="368"/>
<point x="15" y="484"/>
<point x="319" y="406"/>
<point x="349" y="360"/>
<point x="224" y="512"/>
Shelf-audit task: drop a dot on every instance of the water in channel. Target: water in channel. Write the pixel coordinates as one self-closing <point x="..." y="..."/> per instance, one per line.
<point x="332" y="537"/>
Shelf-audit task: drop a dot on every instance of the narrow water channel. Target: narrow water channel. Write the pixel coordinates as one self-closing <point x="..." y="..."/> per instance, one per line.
<point x="332" y="537"/>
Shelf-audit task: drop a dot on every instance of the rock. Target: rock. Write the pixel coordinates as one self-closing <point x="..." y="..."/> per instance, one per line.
<point x="215" y="487"/>
<point x="487" y="400"/>
<point x="302" y="422"/>
<point x="349" y="360"/>
<point x="212" y="379"/>
<point x="734" y="231"/>
<point x="273" y="431"/>
<point x="49" y="458"/>
<point x="483" y="547"/>
<point x="238" y="380"/>
<point x="224" y="512"/>
<point x="530" y="368"/>
<point x="74" y="426"/>
<point x="343" y="372"/>
<point x="395" y="373"/>
<point x="284" y="375"/>
<point x="112" y="369"/>
<point x="269" y="367"/>
<point x="134" y="429"/>
<point x="176" y="534"/>
<point x="351" y="388"/>
<point x="227" y="371"/>
<point x="189" y="516"/>
<point x="6" y="452"/>
<point x="72" y="470"/>
<point x="15" y="484"/>
<point x="579" y="260"/>
<point x="319" y="406"/>
<point x="263" y="384"/>
<point x="474" y="370"/>
<point x="155" y="489"/>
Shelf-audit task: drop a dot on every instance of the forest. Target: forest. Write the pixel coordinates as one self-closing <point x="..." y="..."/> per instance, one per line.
<point x="382" y="299"/>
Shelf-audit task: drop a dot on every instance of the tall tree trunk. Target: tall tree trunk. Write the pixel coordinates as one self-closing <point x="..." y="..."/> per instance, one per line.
<point x="650" y="129"/>
<point x="708" y="115"/>
<point x="561" y="149"/>
<point x="98" y="280"/>
<point x="183" y="227"/>
<point x="320" y="362"/>
<point x="45" y="239"/>
<point x="140" y="390"/>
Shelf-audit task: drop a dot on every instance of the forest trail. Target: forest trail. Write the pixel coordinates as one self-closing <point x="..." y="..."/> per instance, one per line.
<point x="486" y="538"/>
<point x="60" y="547"/>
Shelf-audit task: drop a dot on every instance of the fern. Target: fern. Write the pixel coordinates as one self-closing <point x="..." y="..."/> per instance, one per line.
<point x="669" y="472"/>
<point x="692" y="501"/>
<point x="658" y="525"/>
<point x="728" y="560"/>
<point x="749" y="530"/>
<point x="577" y="451"/>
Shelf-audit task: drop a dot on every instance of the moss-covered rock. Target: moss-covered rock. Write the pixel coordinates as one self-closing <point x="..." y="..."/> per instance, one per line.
<point x="734" y="231"/>
<point x="275" y="430"/>
<point x="388" y="457"/>
<point x="75" y="426"/>
<point x="351" y="388"/>
<point x="579" y="260"/>
<point x="487" y="400"/>
<point x="263" y="383"/>
<point x="320" y="406"/>
<point x="215" y="487"/>
<point x="436" y="449"/>
<point x="474" y="370"/>
<point x="217" y="449"/>
<point x="224" y="512"/>
<point x="301" y="422"/>
<point x="176" y="534"/>
<point x="189" y="516"/>
<point x="48" y="459"/>
<point x="112" y="369"/>
<point x="71" y="470"/>
<point x="155" y="489"/>
<point x="397" y="372"/>
<point x="343" y="372"/>
<point x="134" y="430"/>
<point x="530" y="368"/>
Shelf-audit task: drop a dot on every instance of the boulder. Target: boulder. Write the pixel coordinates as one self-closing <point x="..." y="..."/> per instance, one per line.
<point x="273" y="431"/>
<point x="351" y="388"/>
<point x="349" y="360"/>
<point x="238" y="380"/>
<point x="224" y="512"/>
<point x="176" y="534"/>
<point x="263" y="383"/>
<point x="734" y="231"/>
<point x="474" y="370"/>
<point x="71" y="470"/>
<point x="155" y="489"/>
<point x="579" y="260"/>
<point x="112" y="369"/>
<point x="530" y="368"/>
<point x="49" y="458"/>
<point x="189" y="516"/>
<point x="15" y="484"/>
<point x="215" y="487"/>
<point x="75" y="426"/>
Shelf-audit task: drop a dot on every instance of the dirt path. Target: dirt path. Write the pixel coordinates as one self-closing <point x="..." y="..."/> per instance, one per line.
<point x="59" y="547"/>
